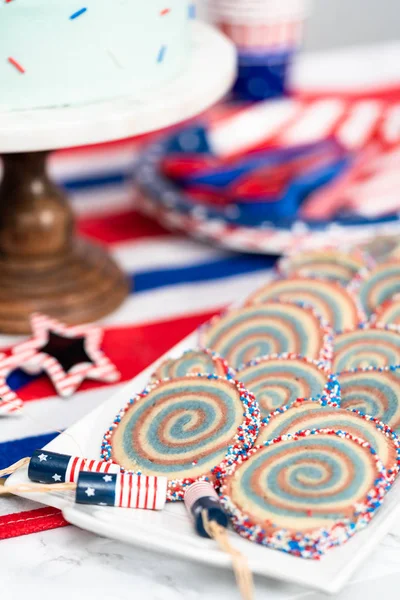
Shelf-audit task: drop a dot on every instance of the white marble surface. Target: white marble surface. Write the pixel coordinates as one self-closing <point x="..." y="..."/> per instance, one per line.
<point x="74" y="564"/>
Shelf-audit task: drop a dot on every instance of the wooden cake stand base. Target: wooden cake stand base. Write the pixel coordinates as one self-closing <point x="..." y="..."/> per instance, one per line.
<point x="43" y="267"/>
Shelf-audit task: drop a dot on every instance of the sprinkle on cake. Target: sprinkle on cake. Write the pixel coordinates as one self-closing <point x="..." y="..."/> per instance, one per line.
<point x="185" y="429"/>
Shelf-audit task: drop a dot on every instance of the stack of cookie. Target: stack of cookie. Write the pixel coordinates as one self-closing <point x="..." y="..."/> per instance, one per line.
<point x="289" y="406"/>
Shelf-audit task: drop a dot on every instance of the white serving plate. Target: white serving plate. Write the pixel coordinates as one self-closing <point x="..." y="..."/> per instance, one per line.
<point x="170" y="531"/>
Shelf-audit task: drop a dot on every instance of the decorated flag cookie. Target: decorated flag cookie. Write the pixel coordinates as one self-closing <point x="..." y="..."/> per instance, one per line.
<point x="388" y="313"/>
<point x="184" y="429"/>
<point x="366" y="346"/>
<point x="379" y="285"/>
<point x="305" y="493"/>
<point x="374" y="392"/>
<point x="320" y="414"/>
<point x="332" y="301"/>
<point x="327" y="263"/>
<point x="280" y="380"/>
<point x="193" y="361"/>
<point x="242" y="334"/>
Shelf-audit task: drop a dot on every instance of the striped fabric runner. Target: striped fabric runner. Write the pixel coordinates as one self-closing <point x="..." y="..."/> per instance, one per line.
<point x="177" y="283"/>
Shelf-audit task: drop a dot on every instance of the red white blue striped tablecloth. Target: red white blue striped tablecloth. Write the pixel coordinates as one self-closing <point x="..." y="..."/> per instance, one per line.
<point x="177" y="284"/>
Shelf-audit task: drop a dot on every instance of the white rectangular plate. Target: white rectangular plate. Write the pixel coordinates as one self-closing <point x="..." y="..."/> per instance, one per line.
<point x="171" y="531"/>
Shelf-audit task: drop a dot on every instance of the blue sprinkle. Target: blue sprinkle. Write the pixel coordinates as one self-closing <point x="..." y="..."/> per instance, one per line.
<point x="192" y="13"/>
<point x="77" y="14"/>
<point x="161" y="54"/>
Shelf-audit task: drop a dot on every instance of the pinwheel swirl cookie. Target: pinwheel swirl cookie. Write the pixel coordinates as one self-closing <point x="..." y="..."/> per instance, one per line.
<point x="320" y="414"/>
<point x="332" y="301"/>
<point x="381" y="248"/>
<point x="184" y="429"/>
<point x="366" y="346"/>
<point x="246" y="333"/>
<point x="395" y="252"/>
<point x="326" y="263"/>
<point x="388" y="313"/>
<point x="379" y="285"/>
<point x="280" y="380"/>
<point x="193" y="361"/>
<point x="306" y="492"/>
<point x="374" y="392"/>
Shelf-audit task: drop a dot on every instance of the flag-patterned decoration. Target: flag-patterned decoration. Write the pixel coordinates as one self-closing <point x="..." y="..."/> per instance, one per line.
<point x="201" y="500"/>
<point x="68" y="355"/>
<point x="177" y="283"/>
<point x="51" y="467"/>
<point x="122" y="489"/>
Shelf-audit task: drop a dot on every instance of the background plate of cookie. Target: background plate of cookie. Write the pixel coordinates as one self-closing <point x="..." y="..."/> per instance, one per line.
<point x="171" y="531"/>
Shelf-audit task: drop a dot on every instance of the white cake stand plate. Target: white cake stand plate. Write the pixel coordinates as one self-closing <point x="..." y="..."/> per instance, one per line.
<point x="209" y="74"/>
<point x="42" y="267"/>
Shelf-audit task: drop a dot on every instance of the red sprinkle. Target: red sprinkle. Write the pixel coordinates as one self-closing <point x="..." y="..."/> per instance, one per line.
<point x="165" y="11"/>
<point x="16" y="64"/>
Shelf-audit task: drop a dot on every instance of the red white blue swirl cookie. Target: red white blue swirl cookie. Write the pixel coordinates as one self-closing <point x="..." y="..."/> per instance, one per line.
<point x="379" y="285"/>
<point x="317" y="414"/>
<point x="193" y="361"/>
<point x="366" y="346"/>
<point x="305" y="493"/>
<point x="243" y="334"/>
<point x="374" y="392"/>
<point x="184" y="429"/>
<point x="381" y="248"/>
<point x="388" y="313"/>
<point x="326" y="263"/>
<point x="394" y="254"/>
<point x="280" y="380"/>
<point x="332" y="301"/>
